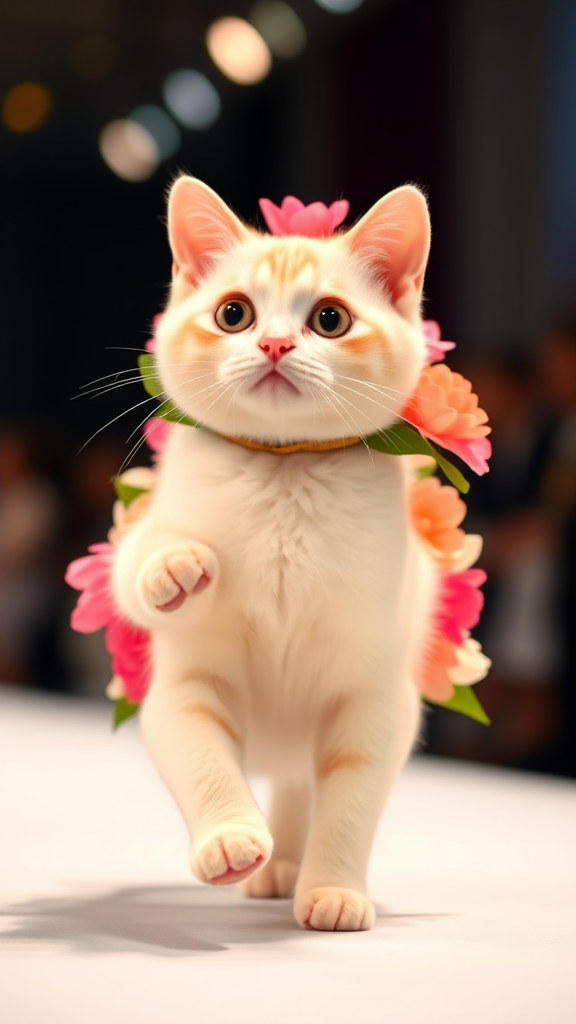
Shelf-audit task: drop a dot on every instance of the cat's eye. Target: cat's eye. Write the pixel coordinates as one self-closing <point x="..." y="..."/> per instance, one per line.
<point x="330" y="320"/>
<point x="235" y="315"/>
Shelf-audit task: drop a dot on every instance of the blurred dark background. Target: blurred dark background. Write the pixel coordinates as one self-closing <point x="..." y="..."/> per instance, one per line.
<point x="474" y="100"/>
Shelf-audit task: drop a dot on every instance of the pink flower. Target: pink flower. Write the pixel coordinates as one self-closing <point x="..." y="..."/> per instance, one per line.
<point x="444" y="408"/>
<point x="294" y="218"/>
<point x="150" y="345"/>
<point x="156" y="432"/>
<point x="451" y="657"/>
<point x="91" y="574"/>
<point x="128" y="646"/>
<point x="460" y="603"/>
<point x="436" y="349"/>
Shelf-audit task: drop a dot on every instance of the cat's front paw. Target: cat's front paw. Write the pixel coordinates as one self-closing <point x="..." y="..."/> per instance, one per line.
<point x="334" y="909"/>
<point x="168" y="578"/>
<point x="231" y="853"/>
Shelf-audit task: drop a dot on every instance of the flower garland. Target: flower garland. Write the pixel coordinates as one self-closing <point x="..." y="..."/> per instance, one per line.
<point x="443" y="410"/>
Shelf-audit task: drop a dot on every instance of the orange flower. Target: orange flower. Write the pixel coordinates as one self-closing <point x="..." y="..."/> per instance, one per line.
<point x="446" y="665"/>
<point x="433" y="679"/>
<point x="436" y="513"/>
<point x="445" y="409"/>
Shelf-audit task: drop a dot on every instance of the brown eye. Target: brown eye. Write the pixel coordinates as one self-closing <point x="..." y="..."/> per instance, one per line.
<point x="235" y="315"/>
<point x="330" y="320"/>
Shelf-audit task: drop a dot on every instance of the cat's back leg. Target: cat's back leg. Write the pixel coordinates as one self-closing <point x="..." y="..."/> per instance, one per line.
<point x="288" y="821"/>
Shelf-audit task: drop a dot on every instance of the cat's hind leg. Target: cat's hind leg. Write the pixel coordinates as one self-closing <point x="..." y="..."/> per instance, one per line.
<point x="360" y="751"/>
<point x="288" y="820"/>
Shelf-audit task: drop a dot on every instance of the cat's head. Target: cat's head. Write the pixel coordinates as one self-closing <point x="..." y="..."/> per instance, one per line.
<point x="293" y="339"/>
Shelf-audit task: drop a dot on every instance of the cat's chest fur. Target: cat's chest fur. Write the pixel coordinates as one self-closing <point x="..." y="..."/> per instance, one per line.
<point x="288" y="529"/>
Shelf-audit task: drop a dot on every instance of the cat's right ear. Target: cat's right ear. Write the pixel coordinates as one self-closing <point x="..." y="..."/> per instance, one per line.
<point x="200" y="228"/>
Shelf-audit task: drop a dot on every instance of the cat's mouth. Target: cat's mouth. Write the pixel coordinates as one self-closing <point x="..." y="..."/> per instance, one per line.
<point x="275" y="382"/>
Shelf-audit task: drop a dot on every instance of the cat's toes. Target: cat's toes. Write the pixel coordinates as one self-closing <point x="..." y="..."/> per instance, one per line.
<point x="334" y="909"/>
<point x="231" y="854"/>
<point x="169" y="578"/>
<point x="276" y="879"/>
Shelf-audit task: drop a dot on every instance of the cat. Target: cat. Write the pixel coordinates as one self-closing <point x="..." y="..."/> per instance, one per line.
<point x="287" y="596"/>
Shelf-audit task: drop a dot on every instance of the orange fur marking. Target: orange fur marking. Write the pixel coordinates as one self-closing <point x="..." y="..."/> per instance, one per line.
<point x="203" y="335"/>
<point x="340" y="760"/>
<point x="367" y="342"/>
<point x="203" y="711"/>
<point x="286" y="265"/>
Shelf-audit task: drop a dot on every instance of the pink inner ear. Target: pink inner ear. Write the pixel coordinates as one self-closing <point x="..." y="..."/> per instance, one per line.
<point x="394" y="239"/>
<point x="201" y="227"/>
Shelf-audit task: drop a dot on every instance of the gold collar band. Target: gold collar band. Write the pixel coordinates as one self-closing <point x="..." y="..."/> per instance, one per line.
<point x="289" y="449"/>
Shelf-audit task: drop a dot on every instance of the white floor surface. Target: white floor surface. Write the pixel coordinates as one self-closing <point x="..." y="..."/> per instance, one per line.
<point x="473" y="873"/>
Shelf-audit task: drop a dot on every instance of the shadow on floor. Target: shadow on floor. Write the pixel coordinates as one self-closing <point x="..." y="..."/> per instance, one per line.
<point x="165" y="920"/>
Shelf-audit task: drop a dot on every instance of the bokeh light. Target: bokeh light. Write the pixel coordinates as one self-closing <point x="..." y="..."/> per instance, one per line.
<point x="93" y="57"/>
<point x="279" y="26"/>
<point x="339" y="6"/>
<point x="161" y="127"/>
<point x="129" y="150"/>
<point x="26" y="106"/>
<point x="238" y="50"/>
<point x="191" y="99"/>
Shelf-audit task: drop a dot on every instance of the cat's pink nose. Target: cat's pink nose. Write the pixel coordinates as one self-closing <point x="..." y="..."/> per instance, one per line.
<point x="275" y="348"/>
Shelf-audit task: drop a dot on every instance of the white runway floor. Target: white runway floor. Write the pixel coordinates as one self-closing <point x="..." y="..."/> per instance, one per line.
<point x="473" y="873"/>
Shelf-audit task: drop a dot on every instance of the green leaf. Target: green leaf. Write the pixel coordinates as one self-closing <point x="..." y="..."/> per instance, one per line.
<point x="167" y="409"/>
<point x="451" y="472"/>
<point x="128" y="494"/>
<point x="404" y="440"/>
<point x="147" y="369"/>
<point x="123" y="710"/>
<point x="425" y="471"/>
<point x="465" y="701"/>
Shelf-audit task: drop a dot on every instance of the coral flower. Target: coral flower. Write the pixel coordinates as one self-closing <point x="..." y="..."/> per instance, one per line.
<point x="436" y="513"/>
<point x="434" y="679"/>
<point x="436" y="348"/>
<point x="447" y="665"/>
<point x="294" y="218"/>
<point x="445" y="409"/>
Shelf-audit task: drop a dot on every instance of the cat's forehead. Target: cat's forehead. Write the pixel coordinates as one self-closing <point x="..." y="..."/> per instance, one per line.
<point x="290" y="263"/>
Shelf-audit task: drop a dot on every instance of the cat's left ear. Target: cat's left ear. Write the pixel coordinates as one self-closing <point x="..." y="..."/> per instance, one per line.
<point x="200" y="228"/>
<point x="393" y="240"/>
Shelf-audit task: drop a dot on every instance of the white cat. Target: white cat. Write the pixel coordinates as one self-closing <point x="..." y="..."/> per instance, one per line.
<point x="287" y="595"/>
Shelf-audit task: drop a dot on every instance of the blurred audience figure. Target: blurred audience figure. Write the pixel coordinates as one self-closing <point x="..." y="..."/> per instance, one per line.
<point x="525" y="509"/>
<point x="30" y="522"/>
<point x="558" y="498"/>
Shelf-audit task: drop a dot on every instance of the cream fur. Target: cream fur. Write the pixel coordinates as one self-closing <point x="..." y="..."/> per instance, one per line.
<point x="296" y="659"/>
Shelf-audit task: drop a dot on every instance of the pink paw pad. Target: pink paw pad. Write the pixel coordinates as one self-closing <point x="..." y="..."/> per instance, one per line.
<point x="231" y="876"/>
<point x="178" y="600"/>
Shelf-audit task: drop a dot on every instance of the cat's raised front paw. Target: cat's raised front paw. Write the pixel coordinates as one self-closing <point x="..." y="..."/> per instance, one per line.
<point x="230" y="854"/>
<point x="334" y="909"/>
<point x="276" y="879"/>
<point x="167" y="579"/>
